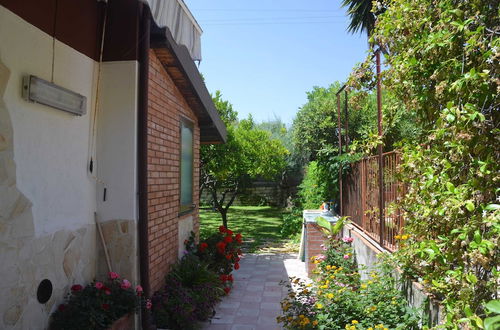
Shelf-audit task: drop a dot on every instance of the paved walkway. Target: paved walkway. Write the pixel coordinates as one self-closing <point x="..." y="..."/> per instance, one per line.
<point x="254" y="302"/>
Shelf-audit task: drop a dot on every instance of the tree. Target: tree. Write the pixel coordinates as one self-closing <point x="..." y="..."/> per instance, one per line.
<point x="249" y="153"/>
<point x="362" y="15"/>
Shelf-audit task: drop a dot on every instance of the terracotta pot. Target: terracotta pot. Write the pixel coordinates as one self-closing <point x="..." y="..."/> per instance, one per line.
<point x="125" y="322"/>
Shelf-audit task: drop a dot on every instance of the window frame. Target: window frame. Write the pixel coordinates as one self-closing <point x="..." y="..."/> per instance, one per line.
<point x="185" y="209"/>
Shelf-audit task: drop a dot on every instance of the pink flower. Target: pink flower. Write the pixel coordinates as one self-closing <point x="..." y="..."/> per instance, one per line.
<point x="346" y="256"/>
<point x="125" y="284"/>
<point x="148" y="304"/>
<point x="348" y="239"/>
<point x="99" y="285"/>
<point x="320" y="257"/>
<point x="113" y="275"/>
<point x="139" y="290"/>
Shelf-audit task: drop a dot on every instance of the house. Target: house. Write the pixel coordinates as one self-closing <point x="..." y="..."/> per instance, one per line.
<point x="102" y="113"/>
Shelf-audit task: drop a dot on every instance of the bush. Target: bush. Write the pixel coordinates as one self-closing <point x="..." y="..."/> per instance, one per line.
<point x="190" y="294"/>
<point x="339" y="299"/>
<point x="220" y="251"/>
<point x="292" y="223"/>
<point x="97" y="305"/>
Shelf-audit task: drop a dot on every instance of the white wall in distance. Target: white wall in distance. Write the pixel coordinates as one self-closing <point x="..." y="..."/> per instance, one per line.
<point x="51" y="147"/>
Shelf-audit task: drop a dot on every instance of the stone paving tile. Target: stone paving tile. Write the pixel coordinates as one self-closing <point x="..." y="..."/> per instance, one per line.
<point x="254" y="302"/>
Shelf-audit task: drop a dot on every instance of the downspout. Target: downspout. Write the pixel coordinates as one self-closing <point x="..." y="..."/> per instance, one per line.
<point x="144" y="43"/>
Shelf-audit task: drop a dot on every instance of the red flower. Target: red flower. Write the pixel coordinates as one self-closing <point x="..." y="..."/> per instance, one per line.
<point x="223" y="278"/>
<point x="239" y="252"/>
<point x="99" y="285"/>
<point x="76" y="288"/>
<point x="229" y="256"/>
<point x="228" y="239"/>
<point x="221" y="247"/>
<point x="229" y="232"/>
<point x="237" y="259"/>
<point x="148" y="304"/>
<point x="203" y="246"/>
<point x="222" y="229"/>
<point x="239" y="238"/>
<point x="61" y="307"/>
<point x="107" y="290"/>
<point x="230" y="277"/>
<point x="105" y="307"/>
<point x="236" y="266"/>
<point x="227" y="290"/>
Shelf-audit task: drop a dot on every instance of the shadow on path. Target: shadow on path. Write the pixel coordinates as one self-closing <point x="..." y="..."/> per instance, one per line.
<point x="254" y="302"/>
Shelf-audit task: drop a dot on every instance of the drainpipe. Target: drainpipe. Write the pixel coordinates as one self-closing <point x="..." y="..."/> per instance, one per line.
<point x="144" y="43"/>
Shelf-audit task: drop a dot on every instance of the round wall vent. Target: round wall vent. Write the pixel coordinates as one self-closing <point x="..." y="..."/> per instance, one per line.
<point x="44" y="291"/>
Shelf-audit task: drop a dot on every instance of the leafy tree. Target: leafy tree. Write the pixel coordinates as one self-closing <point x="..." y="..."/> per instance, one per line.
<point x="249" y="153"/>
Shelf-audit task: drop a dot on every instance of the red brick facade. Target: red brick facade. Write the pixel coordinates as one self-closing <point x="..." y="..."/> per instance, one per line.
<point x="315" y="238"/>
<point x="166" y="107"/>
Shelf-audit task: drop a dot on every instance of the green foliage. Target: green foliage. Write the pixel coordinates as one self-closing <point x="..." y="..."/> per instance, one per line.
<point x="97" y="305"/>
<point x="228" y="169"/>
<point x="331" y="229"/>
<point x="320" y="181"/>
<point x="492" y="322"/>
<point x="339" y="299"/>
<point x="443" y="65"/>
<point x="292" y="223"/>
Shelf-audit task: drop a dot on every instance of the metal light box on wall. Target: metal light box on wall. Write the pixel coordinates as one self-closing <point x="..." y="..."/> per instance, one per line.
<point x="44" y="92"/>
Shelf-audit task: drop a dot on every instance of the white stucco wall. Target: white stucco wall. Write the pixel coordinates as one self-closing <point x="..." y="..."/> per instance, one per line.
<point x="51" y="147"/>
<point x="116" y="161"/>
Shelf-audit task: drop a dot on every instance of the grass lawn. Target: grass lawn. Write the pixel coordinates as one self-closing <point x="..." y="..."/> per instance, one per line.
<point x="257" y="224"/>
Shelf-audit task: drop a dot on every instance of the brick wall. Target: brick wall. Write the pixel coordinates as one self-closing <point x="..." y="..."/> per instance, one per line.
<point x="166" y="105"/>
<point x="315" y="238"/>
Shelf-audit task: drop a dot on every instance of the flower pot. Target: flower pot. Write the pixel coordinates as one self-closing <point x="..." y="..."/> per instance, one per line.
<point x="125" y="322"/>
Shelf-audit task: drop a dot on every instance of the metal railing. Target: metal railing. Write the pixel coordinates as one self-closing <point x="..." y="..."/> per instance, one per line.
<point x="361" y="198"/>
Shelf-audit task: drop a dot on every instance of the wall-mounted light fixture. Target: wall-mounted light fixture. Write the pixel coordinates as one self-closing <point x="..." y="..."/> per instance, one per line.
<point x="41" y="91"/>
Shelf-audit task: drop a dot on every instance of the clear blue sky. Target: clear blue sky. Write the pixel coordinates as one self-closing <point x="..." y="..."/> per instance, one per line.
<point x="264" y="55"/>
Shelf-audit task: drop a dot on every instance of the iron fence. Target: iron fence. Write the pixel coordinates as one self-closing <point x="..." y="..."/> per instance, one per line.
<point x="361" y="198"/>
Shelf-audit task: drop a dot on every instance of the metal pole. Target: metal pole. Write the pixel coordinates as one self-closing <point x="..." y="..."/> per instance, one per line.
<point x="340" y="152"/>
<point x="346" y="122"/>
<point x="380" y="152"/>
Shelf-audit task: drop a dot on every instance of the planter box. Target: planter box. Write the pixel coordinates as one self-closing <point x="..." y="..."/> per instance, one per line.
<point x="126" y="322"/>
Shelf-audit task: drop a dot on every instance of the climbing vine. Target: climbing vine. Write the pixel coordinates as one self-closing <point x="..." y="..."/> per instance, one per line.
<point x="442" y="64"/>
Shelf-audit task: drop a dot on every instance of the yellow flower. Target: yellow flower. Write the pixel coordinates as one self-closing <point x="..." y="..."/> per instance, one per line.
<point x="329" y="295"/>
<point x="301" y="316"/>
<point x="370" y="328"/>
<point x="324" y="286"/>
<point x="315" y="322"/>
<point x="373" y="308"/>
<point x="397" y="237"/>
<point x="404" y="237"/>
<point x="354" y="322"/>
<point x="319" y="305"/>
<point x="320" y="292"/>
<point x="363" y="286"/>
<point x="328" y="267"/>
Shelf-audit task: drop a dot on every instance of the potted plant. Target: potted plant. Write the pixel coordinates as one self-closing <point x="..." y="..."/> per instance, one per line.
<point x="99" y="305"/>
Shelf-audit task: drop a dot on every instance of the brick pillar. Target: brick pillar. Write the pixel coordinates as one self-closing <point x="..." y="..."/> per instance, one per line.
<point x="314" y="239"/>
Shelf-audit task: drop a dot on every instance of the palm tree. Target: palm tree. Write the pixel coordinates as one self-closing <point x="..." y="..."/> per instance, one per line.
<point x="362" y="17"/>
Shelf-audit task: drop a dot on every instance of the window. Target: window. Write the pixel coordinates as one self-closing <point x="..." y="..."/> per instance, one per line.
<point x="187" y="160"/>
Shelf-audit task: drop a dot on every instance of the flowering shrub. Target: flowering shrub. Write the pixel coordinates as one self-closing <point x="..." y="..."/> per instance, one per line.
<point x="221" y="251"/>
<point x="98" y="304"/>
<point x="190" y="294"/>
<point x="198" y="281"/>
<point x="339" y="299"/>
